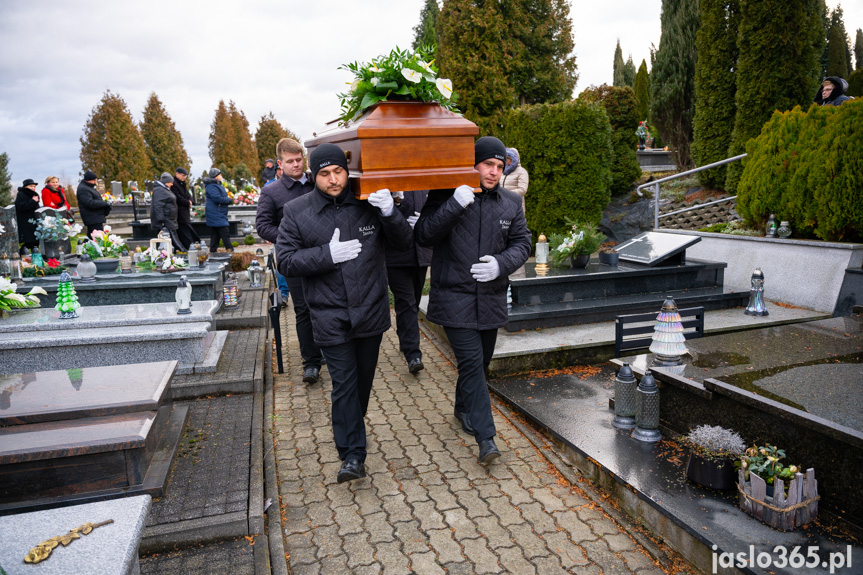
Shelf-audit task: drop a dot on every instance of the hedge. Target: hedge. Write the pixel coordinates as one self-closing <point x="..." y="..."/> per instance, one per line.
<point x="807" y="168"/>
<point x="567" y="150"/>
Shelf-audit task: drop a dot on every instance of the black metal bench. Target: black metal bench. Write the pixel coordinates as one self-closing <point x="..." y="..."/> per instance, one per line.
<point x="691" y="318"/>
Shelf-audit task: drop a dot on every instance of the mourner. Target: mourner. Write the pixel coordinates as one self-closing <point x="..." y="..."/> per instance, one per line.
<point x="185" y="231"/>
<point x="26" y="204"/>
<point x="163" y="209"/>
<point x="335" y="243"/>
<point x="478" y="241"/>
<point x="93" y="209"/>
<point x="293" y="183"/>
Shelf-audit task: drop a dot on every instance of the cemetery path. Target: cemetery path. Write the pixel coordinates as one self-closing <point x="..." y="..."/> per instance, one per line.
<point x="427" y="505"/>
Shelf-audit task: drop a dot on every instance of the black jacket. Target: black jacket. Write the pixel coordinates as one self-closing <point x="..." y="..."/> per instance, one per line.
<point x="347" y="300"/>
<point x="415" y="255"/>
<point x="267" y="174"/>
<point x="184" y="202"/>
<point x="26" y="204"/>
<point x="837" y="97"/>
<point x="163" y="208"/>
<point x="93" y="209"/>
<point x="271" y="204"/>
<point x="494" y="225"/>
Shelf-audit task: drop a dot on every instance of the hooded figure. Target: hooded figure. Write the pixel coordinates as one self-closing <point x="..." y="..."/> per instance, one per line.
<point x="832" y="92"/>
<point x="26" y="204"/>
<point x="515" y="177"/>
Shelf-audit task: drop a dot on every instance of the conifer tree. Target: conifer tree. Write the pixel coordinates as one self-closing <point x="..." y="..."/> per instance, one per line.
<point x="269" y="132"/>
<point x="425" y="33"/>
<point x="672" y="77"/>
<point x="858" y="50"/>
<point x="163" y="141"/>
<point x="837" y="65"/>
<point x="221" y="143"/>
<point x="5" y="181"/>
<point x="246" y="152"/>
<point x="715" y="86"/>
<point x="230" y="139"/>
<point x="778" y="45"/>
<point x="629" y="73"/>
<point x="642" y="92"/>
<point x="619" y="79"/>
<point x="837" y="19"/>
<point x="112" y="145"/>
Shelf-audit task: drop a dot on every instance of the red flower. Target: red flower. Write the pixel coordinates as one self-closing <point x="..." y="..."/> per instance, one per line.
<point x="52" y="263"/>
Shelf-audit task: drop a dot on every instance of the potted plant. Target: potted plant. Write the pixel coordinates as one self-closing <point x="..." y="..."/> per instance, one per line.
<point x="766" y="463"/>
<point x="608" y="255"/>
<point x="575" y="247"/>
<point x="11" y="301"/>
<point x="50" y="231"/>
<point x="712" y="459"/>
<point x="104" y="248"/>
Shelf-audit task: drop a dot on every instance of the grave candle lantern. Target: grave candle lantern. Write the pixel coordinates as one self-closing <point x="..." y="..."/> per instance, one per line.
<point x="756" y="304"/>
<point x="86" y="269"/>
<point x="125" y="262"/>
<point x="259" y="254"/>
<point x="255" y="273"/>
<point x="231" y="292"/>
<point x="15" y="273"/>
<point x="667" y="345"/>
<point x="624" y="398"/>
<point x="193" y="257"/>
<point x="542" y="250"/>
<point x="184" y="296"/>
<point x="647" y="410"/>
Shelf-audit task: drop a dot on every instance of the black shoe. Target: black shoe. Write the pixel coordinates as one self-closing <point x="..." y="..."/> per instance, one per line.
<point x="488" y="452"/>
<point x="311" y="375"/>
<point x="351" y="469"/>
<point x="465" y="422"/>
<point x="415" y="365"/>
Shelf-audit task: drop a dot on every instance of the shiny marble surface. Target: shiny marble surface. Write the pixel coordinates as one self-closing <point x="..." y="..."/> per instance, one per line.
<point x="88" y="392"/>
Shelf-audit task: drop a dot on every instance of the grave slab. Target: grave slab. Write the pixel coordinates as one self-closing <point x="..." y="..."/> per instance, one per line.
<point x="109" y="549"/>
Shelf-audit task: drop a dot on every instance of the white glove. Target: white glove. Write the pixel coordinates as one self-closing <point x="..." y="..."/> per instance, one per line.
<point x="343" y="251"/>
<point x="412" y="220"/>
<point x="487" y="271"/>
<point x="464" y="195"/>
<point x="383" y="200"/>
<point x="398" y="197"/>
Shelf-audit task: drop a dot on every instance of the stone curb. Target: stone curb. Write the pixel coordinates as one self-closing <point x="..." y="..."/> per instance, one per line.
<point x="277" y="564"/>
<point x="194" y="531"/>
<point x="256" y="461"/>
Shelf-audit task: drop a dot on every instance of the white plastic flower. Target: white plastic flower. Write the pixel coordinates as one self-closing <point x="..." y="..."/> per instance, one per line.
<point x="37" y="290"/>
<point x="374" y="68"/>
<point x="375" y="80"/>
<point x="354" y="85"/>
<point x="426" y="67"/>
<point x="7" y="285"/>
<point x="107" y="228"/>
<point x="2" y="229"/>
<point x="412" y="75"/>
<point x="444" y="86"/>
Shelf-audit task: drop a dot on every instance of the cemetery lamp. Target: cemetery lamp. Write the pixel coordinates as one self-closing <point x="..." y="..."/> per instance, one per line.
<point x="624" y="398"/>
<point x="247" y="229"/>
<point x="15" y="264"/>
<point x="541" y="250"/>
<point x="647" y="410"/>
<point x="784" y="229"/>
<point x="770" y="230"/>
<point x="192" y="255"/>
<point x="125" y="262"/>
<point x="756" y="304"/>
<point x="86" y="269"/>
<point x="667" y="345"/>
<point x="184" y="296"/>
<point x="5" y="265"/>
<point x="231" y="292"/>
<point x="259" y="254"/>
<point x="255" y="273"/>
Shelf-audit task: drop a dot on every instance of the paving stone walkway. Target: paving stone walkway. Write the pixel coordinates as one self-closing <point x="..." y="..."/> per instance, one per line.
<point x="427" y="505"/>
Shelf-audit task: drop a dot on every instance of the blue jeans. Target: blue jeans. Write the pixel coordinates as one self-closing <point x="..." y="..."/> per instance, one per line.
<point x="283" y="286"/>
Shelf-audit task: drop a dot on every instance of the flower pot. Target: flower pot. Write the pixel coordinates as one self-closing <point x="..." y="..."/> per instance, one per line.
<point x="713" y="473"/>
<point x="50" y="249"/>
<point x="106" y="265"/>
<point x="579" y="261"/>
<point x="609" y="259"/>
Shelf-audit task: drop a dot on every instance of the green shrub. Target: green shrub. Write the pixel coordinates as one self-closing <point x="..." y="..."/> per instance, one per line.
<point x="235" y="244"/>
<point x="568" y="149"/>
<point x="805" y="167"/>
<point x="855" y="83"/>
<point x="249" y="240"/>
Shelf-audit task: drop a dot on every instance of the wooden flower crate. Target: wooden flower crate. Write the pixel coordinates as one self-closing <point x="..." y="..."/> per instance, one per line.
<point x="405" y="146"/>
<point x="779" y="512"/>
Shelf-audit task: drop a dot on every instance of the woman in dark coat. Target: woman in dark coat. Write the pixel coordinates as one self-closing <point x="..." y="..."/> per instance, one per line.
<point x="26" y="204"/>
<point x="217" y="210"/>
<point x="163" y="209"/>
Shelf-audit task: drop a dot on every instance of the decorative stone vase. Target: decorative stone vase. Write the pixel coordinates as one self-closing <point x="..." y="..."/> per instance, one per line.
<point x="716" y="474"/>
<point x="50" y="249"/>
<point x="609" y="259"/>
<point x="106" y="265"/>
<point x="579" y="261"/>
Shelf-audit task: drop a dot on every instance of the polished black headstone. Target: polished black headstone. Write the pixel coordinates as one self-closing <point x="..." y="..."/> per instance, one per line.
<point x="652" y="248"/>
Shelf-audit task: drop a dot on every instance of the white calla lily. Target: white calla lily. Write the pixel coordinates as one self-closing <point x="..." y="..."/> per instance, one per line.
<point x="37" y="290"/>
<point x="426" y="66"/>
<point x="412" y="75"/>
<point x="444" y="86"/>
<point x="354" y="85"/>
<point x="7" y="285"/>
<point x="375" y="80"/>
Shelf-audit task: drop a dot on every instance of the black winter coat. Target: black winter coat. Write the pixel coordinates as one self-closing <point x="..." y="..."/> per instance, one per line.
<point x="26" y="204"/>
<point x="415" y="255"/>
<point x="494" y="225"/>
<point x="272" y="202"/>
<point x="93" y="209"/>
<point x="163" y="208"/>
<point x="268" y="174"/>
<point x="184" y="202"/>
<point x="347" y="300"/>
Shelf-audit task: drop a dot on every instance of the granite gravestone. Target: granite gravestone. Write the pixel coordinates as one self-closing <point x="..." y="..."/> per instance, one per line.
<point x="9" y="237"/>
<point x="654" y="248"/>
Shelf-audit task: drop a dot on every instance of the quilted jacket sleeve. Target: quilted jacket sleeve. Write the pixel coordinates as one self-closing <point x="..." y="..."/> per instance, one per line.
<point x="397" y="230"/>
<point x="295" y="260"/>
<point x="439" y="216"/>
<point x="517" y="246"/>
<point x="265" y="218"/>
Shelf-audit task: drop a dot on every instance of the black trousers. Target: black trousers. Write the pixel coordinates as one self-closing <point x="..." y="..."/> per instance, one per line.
<point x="187" y="234"/>
<point x="309" y="350"/>
<point x="220" y="233"/>
<point x="406" y="283"/>
<point x="473" y="350"/>
<point x="352" y="368"/>
<point x="93" y="227"/>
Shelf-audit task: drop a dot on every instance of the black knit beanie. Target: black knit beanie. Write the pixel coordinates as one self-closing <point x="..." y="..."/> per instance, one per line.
<point x="489" y="147"/>
<point x="326" y="155"/>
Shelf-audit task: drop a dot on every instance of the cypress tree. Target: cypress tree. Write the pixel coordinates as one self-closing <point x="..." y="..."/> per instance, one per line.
<point x="629" y="73"/>
<point x="5" y="181"/>
<point x="221" y="141"/>
<point x="162" y="140"/>
<point x="858" y="50"/>
<point x="855" y="84"/>
<point x="837" y="19"/>
<point x="642" y="92"/>
<point x="778" y="48"/>
<point x="837" y="65"/>
<point x="618" y="77"/>
<point x="246" y="152"/>
<point x="269" y="132"/>
<point x="714" y="87"/>
<point x="230" y="140"/>
<point x="112" y="145"/>
<point x="425" y="33"/>
<point x="672" y="77"/>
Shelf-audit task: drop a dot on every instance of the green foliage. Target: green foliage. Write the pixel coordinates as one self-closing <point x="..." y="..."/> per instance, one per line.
<point x="235" y="244"/>
<point x="425" y="33"/>
<point x="642" y="92"/>
<point x="5" y="181"/>
<point x="837" y="21"/>
<point x="855" y="84"/>
<point x="672" y="78"/>
<point x="617" y="78"/>
<point x="858" y="50"/>
<point x="778" y="45"/>
<point x="162" y="140"/>
<point x="112" y="145"/>
<point x="269" y="132"/>
<point x="230" y="142"/>
<point x="241" y="173"/>
<point x="805" y="168"/>
<point x="715" y="87"/>
<point x="582" y="239"/>
<point x="570" y="173"/>
<point x="249" y="240"/>
<point x="620" y="105"/>
<point x="837" y="62"/>
<point x="629" y="73"/>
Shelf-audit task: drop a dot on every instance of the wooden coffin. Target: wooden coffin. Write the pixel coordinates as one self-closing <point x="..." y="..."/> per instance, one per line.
<point x="405" y="146"/>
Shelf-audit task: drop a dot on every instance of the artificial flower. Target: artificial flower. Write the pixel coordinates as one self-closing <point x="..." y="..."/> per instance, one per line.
<point x="354" y="85"/>
<point x="426" y="66"/>
<point x="444" y="86"/>
<point x="375" y="81"/>
<point x="52" y="263"/>
<point x="412" y="75"/>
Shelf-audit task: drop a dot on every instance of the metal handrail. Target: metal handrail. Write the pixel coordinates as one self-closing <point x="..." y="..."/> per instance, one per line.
<point x="655" y="184"/>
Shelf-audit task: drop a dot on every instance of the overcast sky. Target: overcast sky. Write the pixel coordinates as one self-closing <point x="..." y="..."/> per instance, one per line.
<point x="58" y="58"/>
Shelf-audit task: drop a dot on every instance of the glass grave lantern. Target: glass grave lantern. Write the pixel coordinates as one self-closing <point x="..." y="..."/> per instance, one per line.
<point x="625" y="386"/>
<point x="231" y="292"/>
<point x="668" y="339"/>
<point x="183" y="296"/>
<point x="86" y="269"/>
<point x="756" y="304"/>
<point x="15" y="265"/>
<point x="162" y="242"/>
<point x="770" y="228"/>
<point x="647" y="410"/>
<point x="259" y="255"/>
<point x="192" y="256"/>
<point x="125" y="262"/>
<point x="255" y="274"/>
